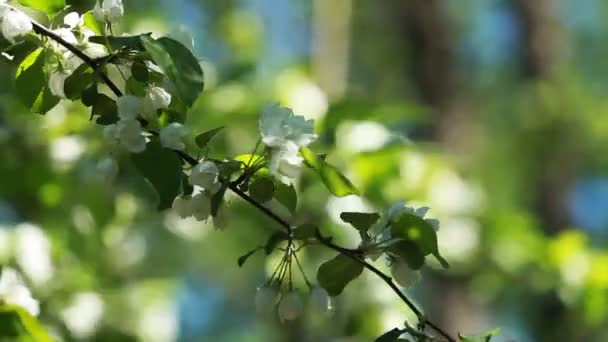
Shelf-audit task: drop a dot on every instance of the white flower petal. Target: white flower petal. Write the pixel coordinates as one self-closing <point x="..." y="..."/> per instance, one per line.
<point x="172" y="136"/>
<point x="15" y="24"/>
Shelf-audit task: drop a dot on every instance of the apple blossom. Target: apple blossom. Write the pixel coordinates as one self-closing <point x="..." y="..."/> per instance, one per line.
<point x="14" y="291"/>
<point x="14" y="23"/>
<point x="290" y="306"/>
<point x="205" y="174"/>
<point x="109" y="11"/>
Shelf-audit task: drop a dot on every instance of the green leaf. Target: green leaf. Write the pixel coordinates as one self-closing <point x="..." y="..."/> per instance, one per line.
<point x="89" y="95"/>
<point x="217" y="199"/>
<point x="305" y="231"/>
<point x="261" y="189"/>
<point x="16" y="324"/>
<point x="180" y="66"/>
<point x="361" y="221"/>
<point x="333" y="179"/>
<point x="105" y="108"/>
<point x="80" y="79"/>
<point x="409" y="252"/>
<point x="485" y="337"/>
<point x="92" y="23"/>
<point x="163" y="169"/>
<point x="336" y="273"/>
<point x="50" y="7"/>
<point x="31" y="84"/>
<point x="390" y="336"/>
<point x="203" y="139"/>
<point x="415" y="229"/>
<point x="117" y="43"/>
<point x="274" y="240"/>
<point x="139" y="70"/>
<point x="243" y="258"/>
<point x="135" y="87"/>
<point x="287" y="196"/>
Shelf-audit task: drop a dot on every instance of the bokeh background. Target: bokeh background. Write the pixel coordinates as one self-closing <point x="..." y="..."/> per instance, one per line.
<point x="492" y="112"/>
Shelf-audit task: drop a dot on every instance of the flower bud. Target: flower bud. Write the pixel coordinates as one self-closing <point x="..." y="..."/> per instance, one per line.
<point x="290" y="307"/>
<point x="265" y="299"/>
<point x="403" y="274"/>
<point x="320" y="300"/>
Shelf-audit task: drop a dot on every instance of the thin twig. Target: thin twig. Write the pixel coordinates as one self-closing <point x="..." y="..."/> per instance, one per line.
<point x="39" y="29"/>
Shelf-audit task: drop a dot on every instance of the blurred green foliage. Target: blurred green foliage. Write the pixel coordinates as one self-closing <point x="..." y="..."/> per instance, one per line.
<point x="500" y="155"/>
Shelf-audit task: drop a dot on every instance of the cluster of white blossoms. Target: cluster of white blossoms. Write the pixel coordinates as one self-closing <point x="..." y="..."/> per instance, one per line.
<point x="128" y="131"/>
<point x="205" y="177"/>
<point x="284" y="133"/>
<point x="108" y="11"/>
<point x="15" y="24"/>
<point x="290" y="305"/>
<point x="13" y="291"/>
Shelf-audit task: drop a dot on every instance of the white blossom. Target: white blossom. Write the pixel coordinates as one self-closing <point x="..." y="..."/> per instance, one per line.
<point x="14" y="291"/>
<point x="14" y="23"/>
<point x="129" y="107"/>
<point x="108" y="11"/>
<point x="57" y="83"/>
<point x="290" y="307"/>
<point x="156" y="98"/>
<point x="205" y="174"/>
<point x="72" y="19"/>
<point x="403" y="274"/>
<point x="128" y="133"/>
<point x="266" y="298"/>
<point x="182" y="205"/>
<point x="200" y="204"/>
<point x="279" y="125"/>
<point x="172" y="136"/>
<point x="285" y="163"/>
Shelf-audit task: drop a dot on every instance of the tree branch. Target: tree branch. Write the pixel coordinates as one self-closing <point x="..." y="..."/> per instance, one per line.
<point x="39" y="29"/>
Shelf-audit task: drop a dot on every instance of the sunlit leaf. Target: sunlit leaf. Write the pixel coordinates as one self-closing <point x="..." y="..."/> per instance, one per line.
<point x="31" y="84"/>
<point x="92" y="23"/>
<point x="16" y="324"/>
<point x="80" y="79"/>
<point x="333" y="179"/>
<point x="180" y="66"/>
<point x="50" y="7"/>
<point x="409" y="252"/>
<point x="336" y="273"/>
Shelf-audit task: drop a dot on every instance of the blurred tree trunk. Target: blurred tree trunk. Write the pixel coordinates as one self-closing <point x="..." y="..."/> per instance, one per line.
<point x="540" y="52"/>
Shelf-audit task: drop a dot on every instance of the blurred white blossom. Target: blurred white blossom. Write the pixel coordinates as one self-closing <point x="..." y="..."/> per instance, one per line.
<point x="13" y="291"/>
<point x="205" y="174"/>
<point x="172" y="136"/>
<point x="109" y="11"/>
<point x="14" y="23"/>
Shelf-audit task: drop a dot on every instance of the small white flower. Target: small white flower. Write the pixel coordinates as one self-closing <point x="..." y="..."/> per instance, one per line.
<point x="279" y="125"/>
<point x="131" y="136"/>
<point x="14" y="291"/>
<point x="110" y="10"/>
<point x="57" y="83"/>
<point x="321" y="300"/>
<point x="172" y="136"/>
<point x="129" y="107"/>
<point x="205" y="174"/>
<point x="128" y="133"/>
<point x="266" y="298"/>
<point x="290" y="306"/>
<point x="403" y="274"/>
<point x="285" y="163"/>
<point x="200" y="204"/>
<point x="182" y="205"/>
<point x="156" y="98"/>
<point x="72" y="20"/>
<point x="15" y="24"/>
